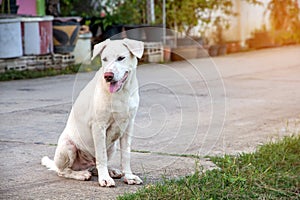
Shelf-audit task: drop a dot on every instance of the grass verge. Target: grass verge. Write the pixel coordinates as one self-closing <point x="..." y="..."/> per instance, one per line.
<point x="272" y="172"/>
<point x="30" y="74"/>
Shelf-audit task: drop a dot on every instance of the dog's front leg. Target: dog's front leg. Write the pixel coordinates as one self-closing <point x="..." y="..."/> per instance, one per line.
<point x="125" y="143"/>
<point x="99" y="137"/>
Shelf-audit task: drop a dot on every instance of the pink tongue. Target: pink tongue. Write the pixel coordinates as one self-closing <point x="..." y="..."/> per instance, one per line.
<point x="114" y="87"/>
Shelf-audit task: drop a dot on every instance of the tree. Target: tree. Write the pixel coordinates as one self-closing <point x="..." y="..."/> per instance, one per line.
<point x="186" y="14"/>
<point x="284" y="14"/>
<point x="181" y="15"/>
<point x="284" y="18"/>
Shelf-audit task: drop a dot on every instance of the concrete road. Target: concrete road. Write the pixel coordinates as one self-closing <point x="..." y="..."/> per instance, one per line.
<point x="230" y="104"/>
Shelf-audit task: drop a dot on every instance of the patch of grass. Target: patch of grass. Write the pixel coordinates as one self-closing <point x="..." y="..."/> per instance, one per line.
<point x="30" y="74"/>
<point x="177" y="155"/>
<point x="272" y="172"/>
<point x="166" y="154"/>
<point x="140" y="151"/>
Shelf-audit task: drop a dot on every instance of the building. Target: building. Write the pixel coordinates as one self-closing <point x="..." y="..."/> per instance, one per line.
<point x="250" y="18"/>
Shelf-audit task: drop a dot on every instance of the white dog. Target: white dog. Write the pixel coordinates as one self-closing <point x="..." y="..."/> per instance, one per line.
<point x="103" y="113"/>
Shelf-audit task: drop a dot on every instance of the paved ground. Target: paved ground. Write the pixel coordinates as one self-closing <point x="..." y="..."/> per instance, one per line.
<point x="228" y="105"/>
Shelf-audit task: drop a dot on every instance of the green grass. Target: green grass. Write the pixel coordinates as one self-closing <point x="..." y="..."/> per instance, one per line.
<point x="272" y="172"/>
<point x="30" y="74"/>
<point x="166" y="154"/>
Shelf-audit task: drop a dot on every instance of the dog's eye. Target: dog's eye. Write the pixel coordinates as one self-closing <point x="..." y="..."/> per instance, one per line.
<point x="104" y="59"/>
<point x="120" y="58"/>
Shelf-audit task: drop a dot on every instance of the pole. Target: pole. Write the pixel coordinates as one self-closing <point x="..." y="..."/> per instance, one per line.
<point x="150" y="12"/>
<point x="164" y="22"/>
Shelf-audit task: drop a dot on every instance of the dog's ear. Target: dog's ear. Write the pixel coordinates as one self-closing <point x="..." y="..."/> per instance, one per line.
<point x="135" y="47"/>
<point x="98" y="48"/>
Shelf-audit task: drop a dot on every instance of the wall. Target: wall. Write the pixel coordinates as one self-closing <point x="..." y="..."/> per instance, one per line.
<point x="250" y="18"/>
<point x="27" y="7"/>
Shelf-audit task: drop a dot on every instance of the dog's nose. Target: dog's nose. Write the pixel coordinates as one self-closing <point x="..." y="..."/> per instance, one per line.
<point x="108" y="76"/>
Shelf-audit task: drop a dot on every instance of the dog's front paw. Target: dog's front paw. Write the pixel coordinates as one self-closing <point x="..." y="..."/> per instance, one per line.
<point x="131" y="179"/>
<point x="106" y="181"/>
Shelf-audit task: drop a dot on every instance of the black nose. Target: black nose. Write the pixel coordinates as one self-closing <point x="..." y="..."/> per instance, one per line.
<point x="108" y="76"/>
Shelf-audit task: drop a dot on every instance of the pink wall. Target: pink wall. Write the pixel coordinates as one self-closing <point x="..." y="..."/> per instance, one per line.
<point x="27" y="7"/>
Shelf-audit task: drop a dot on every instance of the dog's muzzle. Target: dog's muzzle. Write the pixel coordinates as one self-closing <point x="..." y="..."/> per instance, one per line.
<point x="109" y="76"/>
<point x="114" y="86"/>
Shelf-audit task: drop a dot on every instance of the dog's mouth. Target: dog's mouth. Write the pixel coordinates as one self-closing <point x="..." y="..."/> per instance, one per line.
<point x="115" y="86"/>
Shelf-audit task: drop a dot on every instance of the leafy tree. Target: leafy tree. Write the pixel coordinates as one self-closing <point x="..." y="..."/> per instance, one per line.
<point x="284" y="18"/>
<point x="284" y="14"/>
<point x="186" y="14"/>
<point x="181" y="15"/>
<point x="131" y="11"/>
<point x="76" y="8"/>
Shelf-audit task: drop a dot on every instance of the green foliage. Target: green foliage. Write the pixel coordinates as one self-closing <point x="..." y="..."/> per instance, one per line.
<point x="4" y="5"/>
<point x="182" y="15"/>
<point x="186" y="14"/>
<point x="124" y="12"/>
<point x="111" y="12"/>
<point x="77" y="8"/>
<point x="71" y="69"/>
<point x="132" y="11"/>
<point x="270" y="173"/>
<point x="30" y="74"/>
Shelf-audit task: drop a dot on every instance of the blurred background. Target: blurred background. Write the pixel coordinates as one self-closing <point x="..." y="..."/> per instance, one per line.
<point x="39" y="34"/>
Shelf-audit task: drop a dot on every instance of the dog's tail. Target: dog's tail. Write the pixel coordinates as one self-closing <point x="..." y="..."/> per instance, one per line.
<point x="46" y="161"/>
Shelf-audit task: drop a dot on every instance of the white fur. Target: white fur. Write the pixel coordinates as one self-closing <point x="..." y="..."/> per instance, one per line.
<point x="99" y="118"/>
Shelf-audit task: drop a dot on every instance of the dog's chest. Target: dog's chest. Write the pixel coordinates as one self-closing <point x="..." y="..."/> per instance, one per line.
<point x="118" y="115"/>
<point x="117" y="127"/>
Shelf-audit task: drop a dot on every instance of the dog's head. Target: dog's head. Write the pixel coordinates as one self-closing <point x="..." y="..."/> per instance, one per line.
<point x="119" y="59"/>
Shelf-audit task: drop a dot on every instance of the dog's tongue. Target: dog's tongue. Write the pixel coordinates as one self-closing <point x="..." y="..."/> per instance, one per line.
<point x="114" y="86"/>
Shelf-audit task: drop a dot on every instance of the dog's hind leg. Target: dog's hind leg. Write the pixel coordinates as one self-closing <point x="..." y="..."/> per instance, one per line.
<point x="65" y="155"/>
